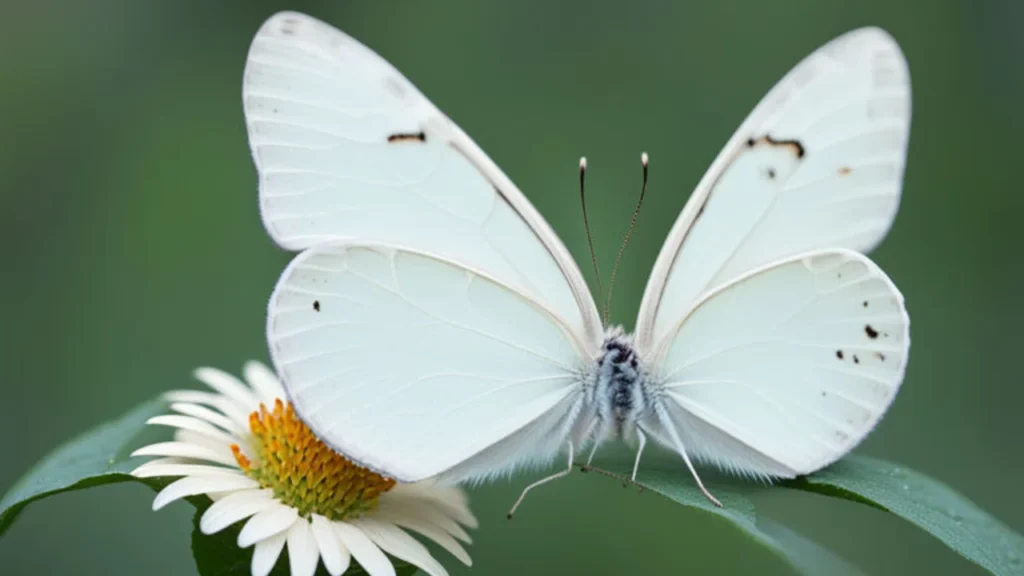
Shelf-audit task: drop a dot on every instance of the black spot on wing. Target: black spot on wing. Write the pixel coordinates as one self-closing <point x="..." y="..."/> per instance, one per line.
<point x="794" y="145"/>
<point x="700" y="211"/>
<point x="288" y="26"/>
<point x="408" y="137"/>
<point x="316" y="305"/>
<point x="871" y="332"/>
<point x="839" y="354"/>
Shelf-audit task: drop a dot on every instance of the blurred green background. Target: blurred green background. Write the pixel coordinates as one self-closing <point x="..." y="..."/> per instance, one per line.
<point x="134" y="251"/>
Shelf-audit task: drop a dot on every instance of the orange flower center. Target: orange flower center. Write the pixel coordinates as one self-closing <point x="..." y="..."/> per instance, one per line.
<point x="303" y="472"/>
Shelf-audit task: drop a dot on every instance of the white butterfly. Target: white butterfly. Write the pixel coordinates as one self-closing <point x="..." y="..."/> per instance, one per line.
<point x="434" y="326"/>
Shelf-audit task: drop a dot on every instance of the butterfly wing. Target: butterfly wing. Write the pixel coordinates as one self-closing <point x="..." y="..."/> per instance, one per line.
<point x="817" y="164"/>
<point x="347" y="148"/>
<point x="434" y="325"/>
<point x="412" y="364"/>
<point x="787" y="368"/>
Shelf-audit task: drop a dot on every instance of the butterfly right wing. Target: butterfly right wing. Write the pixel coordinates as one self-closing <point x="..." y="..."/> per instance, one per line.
<point x="416" y="366"/>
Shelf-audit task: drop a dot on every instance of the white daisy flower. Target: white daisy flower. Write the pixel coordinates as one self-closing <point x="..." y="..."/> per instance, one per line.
<point x="244" y="447"/>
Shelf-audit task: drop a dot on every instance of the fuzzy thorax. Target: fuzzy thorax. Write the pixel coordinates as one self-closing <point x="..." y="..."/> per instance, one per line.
<point x="621" y="397"/>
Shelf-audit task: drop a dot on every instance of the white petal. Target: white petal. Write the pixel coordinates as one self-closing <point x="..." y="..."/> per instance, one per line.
<point x="237" y="414"/>
<point x="211" y="416"/>
<point x="394" y="541"/>
<point x="266" y="553"/>
<point x="336" y="557"/>
<point x="193" y="485"/>
<point x="195" y="425"/>
<point x="436" y="534"/>
<point x="229" y="386"/>
<point x="186" y="450"/>
<point x="302" y="551"/>
<point x="263" y="381"/>
<point x="234" y="507"/>
<point x="267" y="523"/>
<point x="450" y="500"/>
<point x="155" y="469"/>
<point x="166" y="461"/>
<point x="423" y="511"/>
<point x="223" y="448"/>
<point x="369" y="556"/>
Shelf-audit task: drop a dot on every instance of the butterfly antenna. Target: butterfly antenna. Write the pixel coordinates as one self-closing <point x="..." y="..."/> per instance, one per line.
<point x="586" y="225"/>
<point x="625" y="241"/>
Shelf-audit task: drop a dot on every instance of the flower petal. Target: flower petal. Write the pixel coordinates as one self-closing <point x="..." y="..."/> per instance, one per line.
<point x="267" y="523"/>
<point x="424" y="511"/>
<point x="266" y="553"/>
<point x="211" y="416"/>
<point x="369" y="556"/>
<point x="193" y="485"/>
<point x="186" y="450"/>
<point x="302" y="551"/>
<point x="191" y="437"/>
<point x="450" y="500"/>
<point x="263" y="382"/>
<point x="194" y="424"/>
<point x="234" y="507"/>
<point x="435" y="533"/>
<point x="229" y="386"/>
<point x="336" y="557"/>
<point x="238" y="415"/>
<point x="396" y="542"/>
<point x="156" y="468"/>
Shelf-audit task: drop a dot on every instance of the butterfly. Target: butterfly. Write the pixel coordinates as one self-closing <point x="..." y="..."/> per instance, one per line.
<point x="433" y="325"/>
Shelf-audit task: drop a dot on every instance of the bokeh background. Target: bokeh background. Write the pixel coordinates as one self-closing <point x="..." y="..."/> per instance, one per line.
<point x="133" y="249"/>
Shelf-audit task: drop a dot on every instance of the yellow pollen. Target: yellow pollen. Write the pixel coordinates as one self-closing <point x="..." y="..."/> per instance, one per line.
<point x="302" y="471"/>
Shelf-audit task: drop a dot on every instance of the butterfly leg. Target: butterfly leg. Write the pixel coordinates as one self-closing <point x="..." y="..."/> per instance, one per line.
<point x="590" y="458"/>
<point x="670" y="428"/>
<point x="640" y="450"/>
<point x="597" y="444"/>
<point x="554" y="476"/>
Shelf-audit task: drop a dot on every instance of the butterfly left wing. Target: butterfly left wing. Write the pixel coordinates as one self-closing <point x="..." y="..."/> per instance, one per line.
<point x="817" y="164"/>
<point x="786" y="369"/>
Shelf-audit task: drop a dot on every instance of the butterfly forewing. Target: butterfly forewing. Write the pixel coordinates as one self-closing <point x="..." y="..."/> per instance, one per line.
<point x="817" y="164"/>
<point x="347" y="148"/>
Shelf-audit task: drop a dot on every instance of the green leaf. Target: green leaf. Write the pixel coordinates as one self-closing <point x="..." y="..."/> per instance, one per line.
<point x="805" y="555"/>
<point x="798" y="552"/>
<point x="927" y="503"/>
<point x="95" y="458"/>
